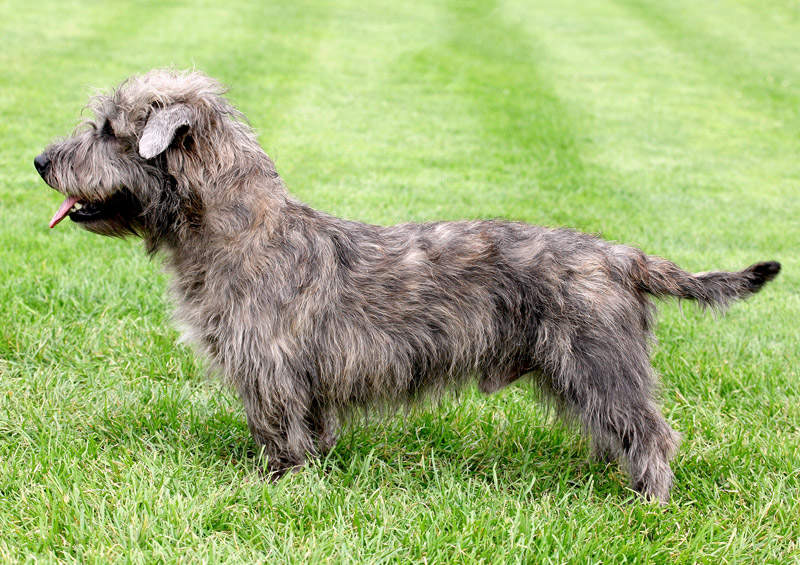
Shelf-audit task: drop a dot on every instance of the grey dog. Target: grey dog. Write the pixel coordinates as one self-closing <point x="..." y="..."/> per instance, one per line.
<point x="312" y="318"/>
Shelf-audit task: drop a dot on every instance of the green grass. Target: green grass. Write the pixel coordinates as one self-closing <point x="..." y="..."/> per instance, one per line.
<point x="673" y="126"/>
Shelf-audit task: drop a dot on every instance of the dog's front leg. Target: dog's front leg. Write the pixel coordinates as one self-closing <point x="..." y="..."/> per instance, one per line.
<point x="277" y="407"/>
<point x="324" y="425"/>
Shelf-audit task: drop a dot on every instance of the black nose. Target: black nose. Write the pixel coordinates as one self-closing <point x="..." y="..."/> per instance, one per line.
<point x="42" y="163"/>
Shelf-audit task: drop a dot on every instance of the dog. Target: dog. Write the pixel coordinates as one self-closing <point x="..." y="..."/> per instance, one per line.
<point x="312" y="318"/>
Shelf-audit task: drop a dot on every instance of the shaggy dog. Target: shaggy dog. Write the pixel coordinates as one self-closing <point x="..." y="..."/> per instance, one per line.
<point x="311" y="317"/>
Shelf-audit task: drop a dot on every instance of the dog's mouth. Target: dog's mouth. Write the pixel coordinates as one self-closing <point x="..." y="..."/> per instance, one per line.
<point x="78" y="211"/>
<point x="83" y="211"/>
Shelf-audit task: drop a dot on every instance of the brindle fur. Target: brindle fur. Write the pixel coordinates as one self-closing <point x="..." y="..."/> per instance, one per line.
<point x="311" y="317"/>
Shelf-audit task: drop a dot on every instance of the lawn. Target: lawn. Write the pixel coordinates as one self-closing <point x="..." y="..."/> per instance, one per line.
<point x="672" y="126"/>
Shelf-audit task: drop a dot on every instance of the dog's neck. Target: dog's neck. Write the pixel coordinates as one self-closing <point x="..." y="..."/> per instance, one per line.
<point x="249" y="206"/>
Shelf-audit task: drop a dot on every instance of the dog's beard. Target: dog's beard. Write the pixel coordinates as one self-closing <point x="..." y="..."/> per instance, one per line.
<point x="155" y="219"/>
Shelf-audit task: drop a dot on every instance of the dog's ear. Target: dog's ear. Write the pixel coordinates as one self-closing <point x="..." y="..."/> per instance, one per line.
<point x="161" y="127"/>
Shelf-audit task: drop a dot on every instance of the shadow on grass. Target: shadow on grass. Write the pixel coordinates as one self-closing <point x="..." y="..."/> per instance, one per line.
<point x="526" y="458"/>
<point x="527" y="461"/>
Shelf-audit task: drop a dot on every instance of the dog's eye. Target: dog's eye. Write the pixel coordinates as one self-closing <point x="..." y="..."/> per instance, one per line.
<point x="107" y="130"/>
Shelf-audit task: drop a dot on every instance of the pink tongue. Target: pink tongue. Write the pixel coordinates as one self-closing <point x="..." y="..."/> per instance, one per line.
<point x="68" y="203"/>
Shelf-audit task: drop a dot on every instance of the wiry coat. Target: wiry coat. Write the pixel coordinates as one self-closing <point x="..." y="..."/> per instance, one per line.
<point x="310" y="316"/>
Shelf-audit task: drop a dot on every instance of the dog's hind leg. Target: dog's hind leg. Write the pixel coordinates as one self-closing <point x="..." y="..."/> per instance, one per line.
<point x="492" y="381"/>
<point x="603" y="449"/>
<point x="608" y="386"/>
<point x="644" y="440"/>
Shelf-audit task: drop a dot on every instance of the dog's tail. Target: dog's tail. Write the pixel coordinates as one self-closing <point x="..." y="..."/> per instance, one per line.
<point x="715" y="289"/>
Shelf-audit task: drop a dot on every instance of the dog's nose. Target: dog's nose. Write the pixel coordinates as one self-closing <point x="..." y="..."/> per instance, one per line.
<point x="42" y="163"/>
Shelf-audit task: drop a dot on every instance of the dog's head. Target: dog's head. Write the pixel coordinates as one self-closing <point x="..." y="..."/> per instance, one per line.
<point x="143" y="163"/>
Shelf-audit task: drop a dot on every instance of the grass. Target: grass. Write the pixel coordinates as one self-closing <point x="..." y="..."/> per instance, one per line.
<point x="669" y="125"/>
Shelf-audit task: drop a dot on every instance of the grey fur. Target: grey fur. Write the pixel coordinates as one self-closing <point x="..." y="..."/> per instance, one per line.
<point x="311" y="317"/>
<point x="160" y="129"/>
